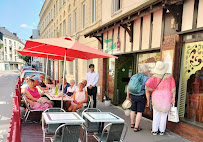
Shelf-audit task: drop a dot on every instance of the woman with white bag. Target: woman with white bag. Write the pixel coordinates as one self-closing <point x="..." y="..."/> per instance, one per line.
<point x="162" y="87"/>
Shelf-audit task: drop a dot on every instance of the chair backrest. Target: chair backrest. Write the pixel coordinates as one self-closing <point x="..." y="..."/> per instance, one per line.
<point x="70" y="133"/>
<point x="115" y="131"/>
<point x="52" y="127"/>
<point x="91" y="126"/>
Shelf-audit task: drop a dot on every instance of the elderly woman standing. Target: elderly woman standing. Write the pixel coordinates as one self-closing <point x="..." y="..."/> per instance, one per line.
<point x="163" y="88"/>
<point x="138" y="99"/>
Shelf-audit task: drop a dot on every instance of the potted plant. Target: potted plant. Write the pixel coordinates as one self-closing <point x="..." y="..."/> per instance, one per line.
<point x="107" y="100"/>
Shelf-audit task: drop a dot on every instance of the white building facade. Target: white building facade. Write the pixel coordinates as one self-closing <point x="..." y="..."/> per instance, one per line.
<point x="9" y="59"/>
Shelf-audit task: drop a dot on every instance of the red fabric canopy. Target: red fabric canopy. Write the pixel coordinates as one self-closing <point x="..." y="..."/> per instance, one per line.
<point x="43" y="55"/>
<point x="60" y="45"/>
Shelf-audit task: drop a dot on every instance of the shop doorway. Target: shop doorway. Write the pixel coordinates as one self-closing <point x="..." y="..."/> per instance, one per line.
<point x="124" y="70"/>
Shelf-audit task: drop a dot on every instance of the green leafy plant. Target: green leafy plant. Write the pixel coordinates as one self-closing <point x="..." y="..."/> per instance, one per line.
<point x="25" y="58"/>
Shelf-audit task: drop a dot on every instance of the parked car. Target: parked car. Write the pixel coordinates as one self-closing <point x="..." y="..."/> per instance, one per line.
<point x="26" y="68"/>
<point x="29" y="73"/>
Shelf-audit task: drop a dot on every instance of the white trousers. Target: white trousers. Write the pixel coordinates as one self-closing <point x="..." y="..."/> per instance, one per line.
<point x="159" y="121"/>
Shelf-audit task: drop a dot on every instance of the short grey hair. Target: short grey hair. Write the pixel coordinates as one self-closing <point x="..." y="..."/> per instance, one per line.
<point x="144" y="68"/>
<point x="72" y="81"/>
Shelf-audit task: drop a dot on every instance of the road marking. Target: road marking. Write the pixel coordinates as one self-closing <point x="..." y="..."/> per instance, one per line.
<point x="2" y="131"/>
<point x="4" y="118"/>
<point x="2" y="102"/>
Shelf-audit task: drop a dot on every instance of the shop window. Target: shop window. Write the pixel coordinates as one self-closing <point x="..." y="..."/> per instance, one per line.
<point x="194" y="98"/>
<point x="190" y="101"/>
<point x="150" y="59"/>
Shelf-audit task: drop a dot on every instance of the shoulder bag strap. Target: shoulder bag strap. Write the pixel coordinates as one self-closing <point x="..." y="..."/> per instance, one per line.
<point x="160" y="81"/>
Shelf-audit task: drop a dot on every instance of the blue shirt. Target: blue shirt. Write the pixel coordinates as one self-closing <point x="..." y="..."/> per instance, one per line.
<point x="145" y="78"/>
<point x="65" y="89"/>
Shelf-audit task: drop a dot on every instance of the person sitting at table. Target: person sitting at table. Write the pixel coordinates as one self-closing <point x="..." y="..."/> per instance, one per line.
<point x="42" y="85"/>
<point x="66" y="85"/>
<point x="25" y="84"/>
<point x="49" y="82"/>
<point x="72" y="88"/>
<point x="80" y="98"/>
<point x="33" y="97"/>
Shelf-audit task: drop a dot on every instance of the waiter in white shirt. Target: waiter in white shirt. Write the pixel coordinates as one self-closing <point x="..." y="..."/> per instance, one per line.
<point x="92" y="78"/>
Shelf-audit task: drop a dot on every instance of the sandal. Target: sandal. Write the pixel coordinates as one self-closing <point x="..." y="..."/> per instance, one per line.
<point x="132" y="125"/>
<point x="137" y="129"/>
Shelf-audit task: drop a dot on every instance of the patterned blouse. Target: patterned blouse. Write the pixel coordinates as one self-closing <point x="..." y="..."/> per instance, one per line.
<point x="162" y="90"/>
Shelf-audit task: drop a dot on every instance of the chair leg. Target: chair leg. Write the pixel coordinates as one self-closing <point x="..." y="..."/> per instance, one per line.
<point x="25" y="113"/>
<point x="27" y="116"/>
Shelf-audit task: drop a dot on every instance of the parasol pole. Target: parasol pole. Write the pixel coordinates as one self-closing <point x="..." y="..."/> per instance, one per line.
<point x="64" y="67"/>
<point x="46" y="70"/>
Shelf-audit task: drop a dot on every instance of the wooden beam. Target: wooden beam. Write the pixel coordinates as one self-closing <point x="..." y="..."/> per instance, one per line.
<point x="99" y="38"/>
<point x="129" y="30"/>
<point x="176" y="11"/>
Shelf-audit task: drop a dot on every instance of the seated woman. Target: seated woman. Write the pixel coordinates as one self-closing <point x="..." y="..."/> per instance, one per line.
<point x="25" y="84"/>
<point x="49" y="82"/>
<point x="72" y="88"/>
<point x="33" y="96"/>
<point x="80" y="98"/>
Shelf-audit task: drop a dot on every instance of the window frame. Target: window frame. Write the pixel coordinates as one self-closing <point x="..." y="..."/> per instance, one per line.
<point x="75" y="21"/>
<point x="94" y="10"/>
<point x="114" y="6"/>
<point x="84" y="15"/>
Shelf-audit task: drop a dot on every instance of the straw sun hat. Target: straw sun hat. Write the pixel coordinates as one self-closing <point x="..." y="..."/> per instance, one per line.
<point x="160" y="68"/>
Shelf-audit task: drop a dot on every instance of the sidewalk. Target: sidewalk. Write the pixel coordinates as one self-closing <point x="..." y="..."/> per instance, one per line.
<point x="144" y="135"/>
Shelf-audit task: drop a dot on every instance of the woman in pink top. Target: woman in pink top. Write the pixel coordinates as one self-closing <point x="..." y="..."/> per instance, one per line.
<point x="80" y="98"/>
<point x="163" y="88"/>
<point x="33" y="95"/>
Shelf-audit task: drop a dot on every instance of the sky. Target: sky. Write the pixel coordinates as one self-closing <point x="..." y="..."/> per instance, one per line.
<point x="20" y="16"/>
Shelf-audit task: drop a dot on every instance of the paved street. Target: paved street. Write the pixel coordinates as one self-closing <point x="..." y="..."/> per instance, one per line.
<point x="144" y="135"/>
<point x="8" y="81"/>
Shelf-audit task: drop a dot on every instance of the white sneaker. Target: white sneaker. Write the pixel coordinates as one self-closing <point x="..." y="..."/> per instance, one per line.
<point x="154" y="133"/>
<point x="161" y="133"/>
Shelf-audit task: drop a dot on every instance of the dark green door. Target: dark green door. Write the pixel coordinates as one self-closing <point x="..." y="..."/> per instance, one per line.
<point x="124" y="63"/>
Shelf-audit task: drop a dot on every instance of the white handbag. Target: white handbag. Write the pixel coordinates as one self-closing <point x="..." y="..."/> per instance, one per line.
<point x="173" y="114"/>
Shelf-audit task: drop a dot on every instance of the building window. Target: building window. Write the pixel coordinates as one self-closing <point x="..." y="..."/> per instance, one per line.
<point x="54" y="11"/>
<point x="116" y="5"/>
<point x="84" y="15"/>
<point x="5" y="41"/>
<point x="51" y="15"/>
<point x="70" y="25"/>
<point x="64" y="27"/>
<point x="93" y="11"/>
<point x="75" y="21"/>
<point x="64" y="1"/>
<point x="9" y="42"/>
<point x="14" y="44"/>
<point x="60" y="30"/>
<point x="71" y="68"/>
<point x="5" y="50"/>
